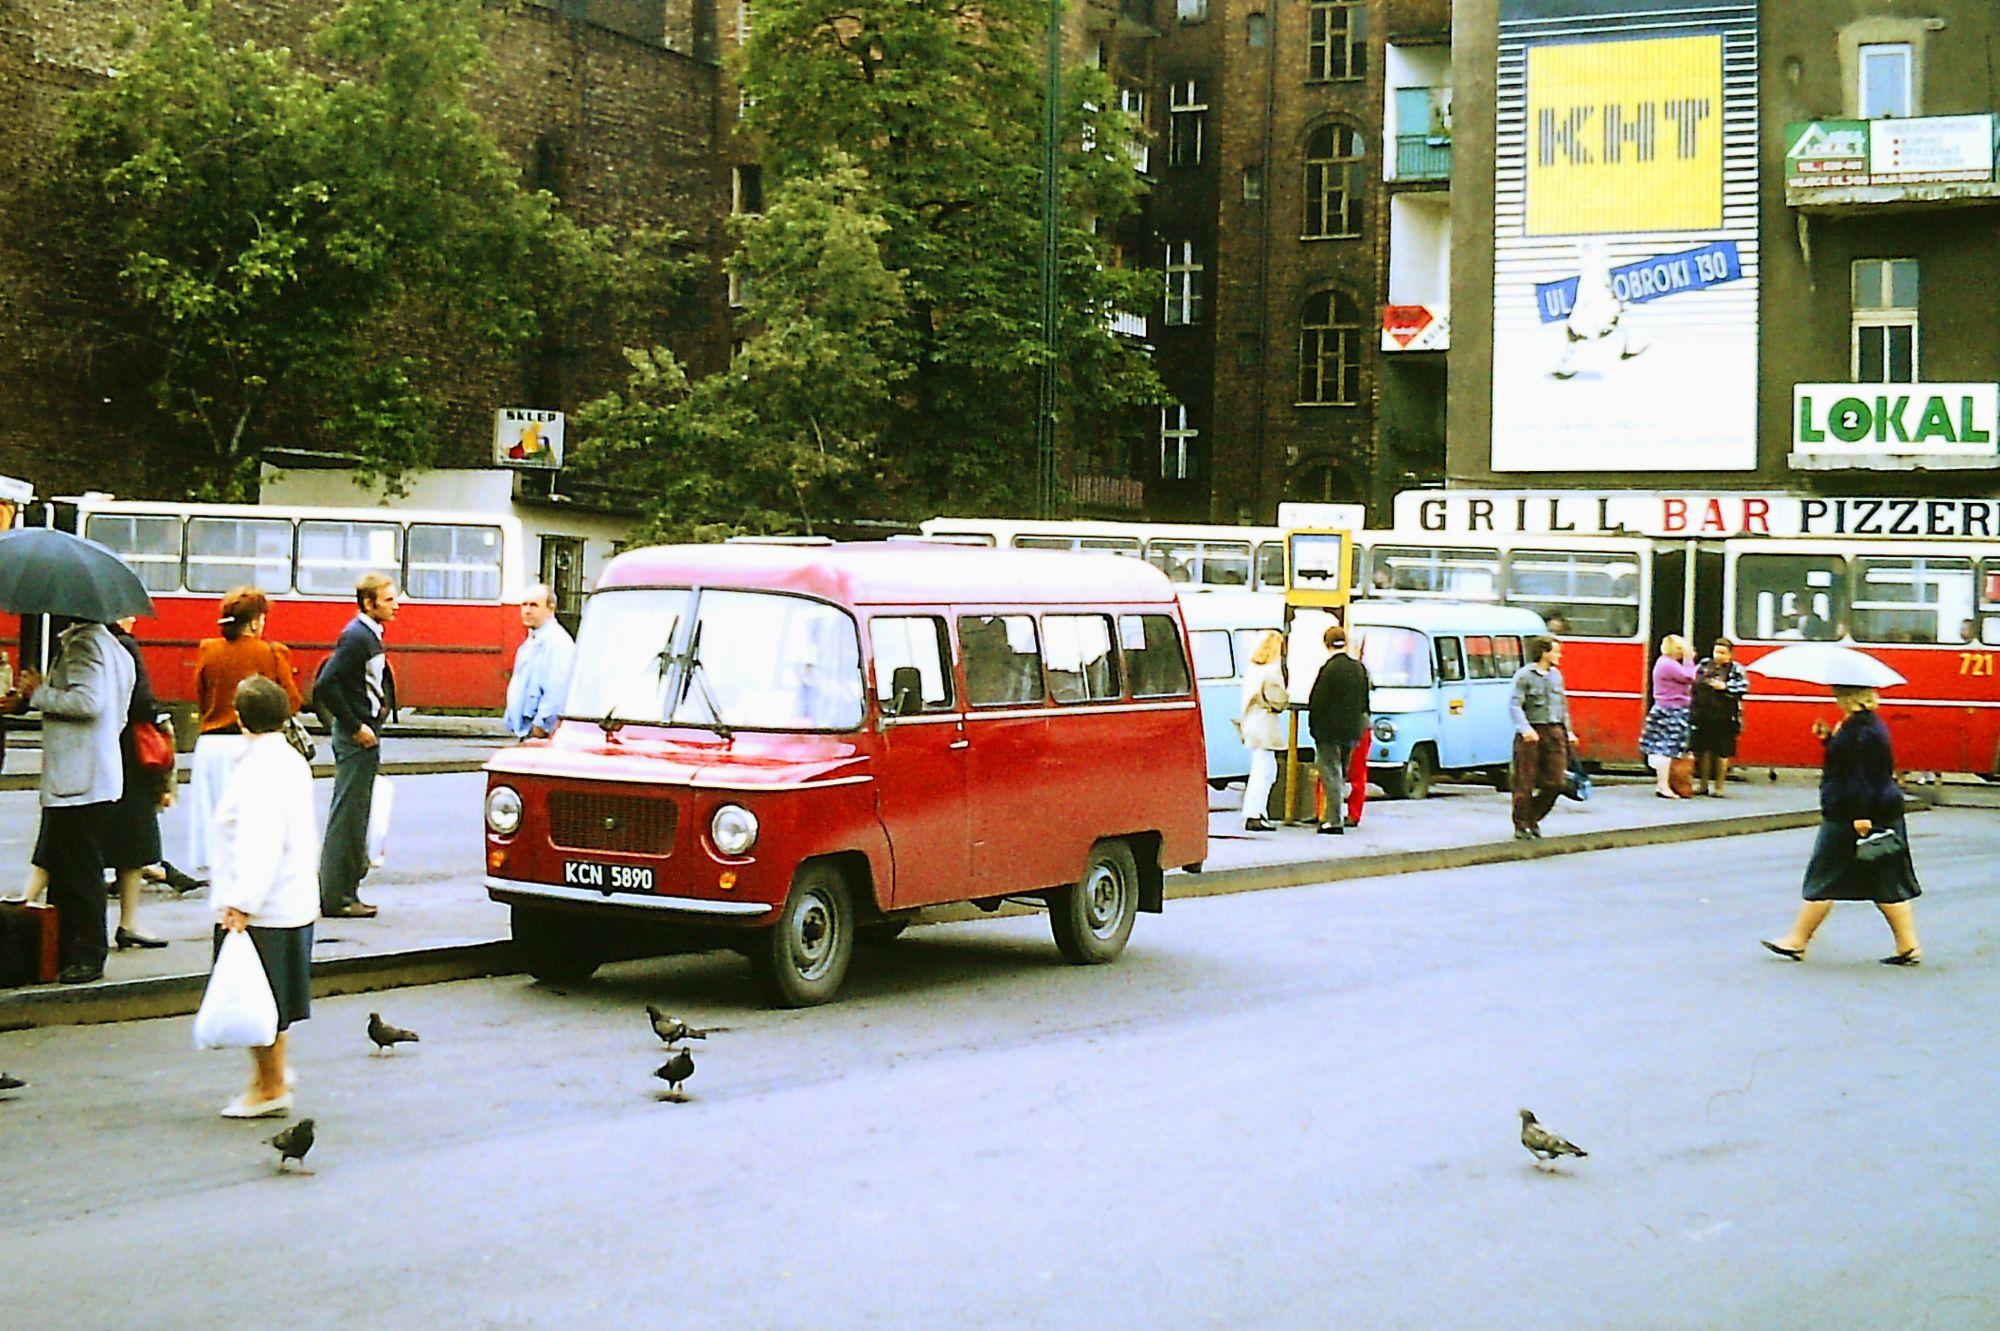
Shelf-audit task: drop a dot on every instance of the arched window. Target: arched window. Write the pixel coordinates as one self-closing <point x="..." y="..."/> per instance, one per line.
<point x="1329" y="351"/>
<point x="1333" y="179"/>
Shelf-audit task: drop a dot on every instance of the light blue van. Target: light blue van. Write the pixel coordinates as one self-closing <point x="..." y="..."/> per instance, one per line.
<point x="1223" y="629"/>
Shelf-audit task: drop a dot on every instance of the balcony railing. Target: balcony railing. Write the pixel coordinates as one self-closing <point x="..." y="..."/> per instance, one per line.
<point x="1835" y="165"/>
<point x="1128" y="325"/>
<point x="1118" y="492"/>
<point x="1422" y="157"/>
<point x="1423" y="133"/>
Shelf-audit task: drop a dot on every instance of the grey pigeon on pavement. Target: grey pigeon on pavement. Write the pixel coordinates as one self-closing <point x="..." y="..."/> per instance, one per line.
<point x="293" y="1143"/>
<point x="1545" y="1145"/>
<point x="386" y="1036"/>
<point x="8" y="1083"/>
<point x="675" y="1071"/>
<point x="672" y="1030"/>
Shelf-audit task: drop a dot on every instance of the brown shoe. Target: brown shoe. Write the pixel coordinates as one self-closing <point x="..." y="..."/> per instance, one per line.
<point x="353" y="910"/>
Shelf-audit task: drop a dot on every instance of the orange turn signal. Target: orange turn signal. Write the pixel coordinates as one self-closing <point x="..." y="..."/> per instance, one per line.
<point x="727" y="880"/>
<point x="496" y="859"/>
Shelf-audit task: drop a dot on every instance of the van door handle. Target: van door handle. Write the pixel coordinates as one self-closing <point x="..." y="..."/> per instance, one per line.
<point x="961" y="744"/>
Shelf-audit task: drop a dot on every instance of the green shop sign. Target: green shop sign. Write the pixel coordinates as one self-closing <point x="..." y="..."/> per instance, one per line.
<point x="1908" y="419"/>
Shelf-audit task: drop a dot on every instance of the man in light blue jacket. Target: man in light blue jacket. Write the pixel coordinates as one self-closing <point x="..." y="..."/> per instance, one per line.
<point x="83" y="703"/>
<point x="540" y="681"/>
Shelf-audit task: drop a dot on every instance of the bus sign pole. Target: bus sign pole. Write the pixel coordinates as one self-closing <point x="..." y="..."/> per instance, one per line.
<point x="1318" y="576"/>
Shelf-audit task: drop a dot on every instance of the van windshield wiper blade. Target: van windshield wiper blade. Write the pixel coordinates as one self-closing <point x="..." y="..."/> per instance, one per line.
<point x="696" y="676"/>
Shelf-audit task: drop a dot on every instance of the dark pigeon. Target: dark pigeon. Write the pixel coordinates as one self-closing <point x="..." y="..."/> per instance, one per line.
<point x="386" y="1036"/>
<point x="293" y="1143"/>
<point x="1543" y="1144"/>
<point x="672" y="1030"/>
<point x="675" y="1071"/>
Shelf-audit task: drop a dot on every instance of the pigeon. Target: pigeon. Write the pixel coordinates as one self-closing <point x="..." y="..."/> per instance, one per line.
<point x="672" y="1030"/>
<point x="8" y="1083"/>
<point x="1542" y="1143"/>
<point x="293" y="1143"/>
<point x="386" y="1036"/>
<point x="675" y="1071"/>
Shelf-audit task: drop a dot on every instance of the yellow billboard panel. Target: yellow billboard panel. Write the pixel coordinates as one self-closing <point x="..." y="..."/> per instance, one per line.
<point x="1625" y="136"/>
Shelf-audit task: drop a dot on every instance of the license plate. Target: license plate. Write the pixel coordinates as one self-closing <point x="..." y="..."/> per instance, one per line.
<point x="607" y="878"/>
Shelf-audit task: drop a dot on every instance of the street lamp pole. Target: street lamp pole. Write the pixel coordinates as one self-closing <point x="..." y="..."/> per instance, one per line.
<point x="1047" y="487"/>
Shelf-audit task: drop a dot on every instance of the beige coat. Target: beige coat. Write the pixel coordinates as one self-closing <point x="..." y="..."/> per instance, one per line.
<point x="1265" y="701"/>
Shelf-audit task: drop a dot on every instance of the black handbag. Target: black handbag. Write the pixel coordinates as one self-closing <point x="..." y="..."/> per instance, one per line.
<point x="1880" y="845"/>
<point x="300" y="739"/>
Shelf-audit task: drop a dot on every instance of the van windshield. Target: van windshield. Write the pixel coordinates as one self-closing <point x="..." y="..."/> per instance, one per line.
<point x="724" y="660"/>
<point x="1396" y="658"/>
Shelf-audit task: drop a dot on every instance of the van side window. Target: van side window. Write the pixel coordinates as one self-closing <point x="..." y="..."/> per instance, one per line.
<point x="1082" y="667"/>
<point x="1450" y="661"/>
<point x="1212" y="657"/>
<point x="912" y="665"/>
<point x="1479" y="662"/>
<point x="1003" y="663"/>
<point x="1506" y="656"/>
<point x="1153" y="655"/>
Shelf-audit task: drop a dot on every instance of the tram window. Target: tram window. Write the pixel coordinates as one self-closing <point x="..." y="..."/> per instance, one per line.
<point x="1212" y="657"/>
<point x="918" y="643"/>
<point x="1153" y="655"/>
<point x="1506" y="656"/>
<point x="1082" y="666"/>
<point x="1179" y="560"/>
<point x="1045" y="543"/>
<point x="334" y="555"/>
<point x="1479" y="660"/>
<point x="151" y="545"/>
<point x="1913" y="600"/>
<point x="1791" y="597"/>
<point x="1986" y="631"/>
<point x="1003" y="663"/>
<point x="1202" y="563"/>
<point x="1271" y="566"/>
<point x="1111" y="545"/>
<point x="1464" y="575"/>
<point x="223" y="553"/>
<point x="1225" y="565"/>
<point x="962" y="538"/>
<point x="450" y="562"/>
<point x="1450" y="661"/>
<point x="1594" y="593"/>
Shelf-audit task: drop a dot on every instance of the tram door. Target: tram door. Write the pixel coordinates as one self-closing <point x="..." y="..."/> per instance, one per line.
<point x="1708" y="618"/>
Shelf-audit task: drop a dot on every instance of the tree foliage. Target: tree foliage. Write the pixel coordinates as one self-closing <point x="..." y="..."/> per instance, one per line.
<point x="912" y="127"/>
<point x="290" y="243"/>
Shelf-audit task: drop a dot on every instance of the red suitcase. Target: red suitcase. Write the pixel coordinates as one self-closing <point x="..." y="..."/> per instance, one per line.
<point x="27" y="943"/>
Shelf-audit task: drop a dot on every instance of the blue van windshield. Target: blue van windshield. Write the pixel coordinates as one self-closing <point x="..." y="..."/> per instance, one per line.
<point x="1396" y="658"/>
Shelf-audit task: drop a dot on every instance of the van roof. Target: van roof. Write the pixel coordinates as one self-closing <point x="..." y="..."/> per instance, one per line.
<point x="905" y="573"/>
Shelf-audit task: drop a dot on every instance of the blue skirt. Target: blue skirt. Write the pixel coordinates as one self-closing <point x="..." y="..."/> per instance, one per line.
<point x="1833" y="874"/>
<point x="1666" y="732"/>
<point x="287" y="957"/>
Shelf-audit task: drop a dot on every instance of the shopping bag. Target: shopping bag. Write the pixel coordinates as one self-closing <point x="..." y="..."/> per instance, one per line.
<point x="238" y="1011"/>
<point x="1576" y="785"/>
<point x="1680" y="776"/>
<point x="378" y="821"/>
<point x="152" y="746"/>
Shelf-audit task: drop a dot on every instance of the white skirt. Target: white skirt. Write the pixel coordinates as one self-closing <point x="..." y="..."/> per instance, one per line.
<point x="215" y="759"/>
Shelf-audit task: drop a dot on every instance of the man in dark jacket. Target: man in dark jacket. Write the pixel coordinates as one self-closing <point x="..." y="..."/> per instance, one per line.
<point x="356" y="690"/>
<point x="1337" y="713"/>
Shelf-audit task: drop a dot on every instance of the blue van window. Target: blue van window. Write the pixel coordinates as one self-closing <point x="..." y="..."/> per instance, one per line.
<point x="1212" y="657"/>
<point x="1507" y="655"/>
<point x="1479" y="662"/>
<point x="1450" y="661"/>
<point x="1396" y="658"/>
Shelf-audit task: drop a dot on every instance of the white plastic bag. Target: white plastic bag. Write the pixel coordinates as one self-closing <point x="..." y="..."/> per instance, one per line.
<point x="238" y="1011"/>
<point x="379" y="808"/>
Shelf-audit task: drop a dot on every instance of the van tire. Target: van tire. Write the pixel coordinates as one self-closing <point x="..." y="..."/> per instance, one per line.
<point x="1092" y="918"/>
<point x="1413" y="780"/>
<point x="802" y="959"/>
<point x="555" y="949"/>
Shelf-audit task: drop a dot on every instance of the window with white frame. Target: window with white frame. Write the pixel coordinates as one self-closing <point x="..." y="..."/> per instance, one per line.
<point x="1329" y="351"/>
<point x="1888" y="80"/>
<point x="742" y="21"/>
<point x="1191" y="11"/>
<point x="1332" y="171"/>
<point x="1186" y="121"/>
<point x="1176" y="444"/>
<point x="1183" y="273"/>
<point x="1885" y="321"/>
<point x="1337" y="40"/>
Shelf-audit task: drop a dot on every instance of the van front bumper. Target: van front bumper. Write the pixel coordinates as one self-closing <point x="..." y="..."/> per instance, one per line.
<point x="512" y="890"/>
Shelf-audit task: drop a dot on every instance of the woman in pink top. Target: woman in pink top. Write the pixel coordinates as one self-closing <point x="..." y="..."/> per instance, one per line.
<point x="1665" y="736"/>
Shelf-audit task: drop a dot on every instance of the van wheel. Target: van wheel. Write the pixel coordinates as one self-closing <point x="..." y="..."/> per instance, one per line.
<point x="801" y="960"/>
<point x="1092" y="919"/>
<point x="1413" y="782"/>
<point x="553" y="949"/>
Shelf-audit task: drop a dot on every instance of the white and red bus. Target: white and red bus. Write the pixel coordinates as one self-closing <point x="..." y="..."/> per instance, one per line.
<point x="462" y="578"/>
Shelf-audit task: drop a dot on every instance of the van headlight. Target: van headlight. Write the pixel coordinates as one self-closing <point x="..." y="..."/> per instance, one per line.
<point x="733" y="829"/>
<point x="503" y="811"/>
<point x="1385" y="729"/>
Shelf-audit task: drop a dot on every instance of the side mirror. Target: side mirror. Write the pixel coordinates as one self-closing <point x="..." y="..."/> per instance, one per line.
<point x="906" y="691"/>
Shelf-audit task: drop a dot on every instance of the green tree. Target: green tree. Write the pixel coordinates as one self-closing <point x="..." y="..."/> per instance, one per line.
<point x="294" y="247"/>
<point x="935" y="105"/>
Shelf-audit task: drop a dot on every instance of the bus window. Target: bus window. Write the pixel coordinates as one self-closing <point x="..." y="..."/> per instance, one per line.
<point x="916" y="643"/>
<point x="1791" y="597"/>
<point x="1271" y="566"/>
<point x="1450" y="661"/>
<point x="1917" y="600"/>
<point x="1582" y="593"/>
<point x="1212" y="657"/>
<point x="1479" y="662"/>
<point x="1202" y="563"/>
<point x="961" y="538"/>
<point x="1987" y="630"/>
<point x="1002" y="662"/>
<point x="1111" y="545"/>
<point x="334" y="555"/>
<point x="1179" y="560"/>
<point x="1395" y="658"/>
<point x="450" y="562"/>
<point x="223" y="553"/>
<point x="1153" y="655"/>
<point x="1463" y="575"/>
<point x="1506" y="656"/>
<point x="151" y="544"/>
<point x="1082" y="667"/>
<point x="1045" y="543"/>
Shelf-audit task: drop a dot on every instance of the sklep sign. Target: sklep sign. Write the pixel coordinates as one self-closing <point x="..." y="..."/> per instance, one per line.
<point x="523" y="437"/>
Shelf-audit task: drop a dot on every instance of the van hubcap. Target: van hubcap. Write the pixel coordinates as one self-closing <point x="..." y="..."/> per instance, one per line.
<point x="1104" y="892"/>
<point x="812" y="937"/>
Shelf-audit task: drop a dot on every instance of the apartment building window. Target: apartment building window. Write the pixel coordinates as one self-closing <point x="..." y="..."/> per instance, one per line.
<point x="1333" y="178"/>
<point x="746" y="189"/>
<point x="1192" y="11"/>
<point x="1176" y="444"/>
<point x="1888" y="80"/>
<point x="1885" y="321"/>
<point x="1186" y="119"/>
<point x="1329" y="351"/>
<point x="1183" y="270"/>
<point x="742" y="21"/>
<point x="1253" y="183"/>
<point x="737" y="284"/>
<point x="1337" y="40"/>
<point x="1257" y="30"/>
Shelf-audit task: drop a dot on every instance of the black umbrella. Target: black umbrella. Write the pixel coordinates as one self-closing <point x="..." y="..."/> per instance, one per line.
<point x="48" y="572"/>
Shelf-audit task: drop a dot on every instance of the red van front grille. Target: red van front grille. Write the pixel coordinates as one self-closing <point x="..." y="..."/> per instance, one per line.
<point x="629" y="823"/>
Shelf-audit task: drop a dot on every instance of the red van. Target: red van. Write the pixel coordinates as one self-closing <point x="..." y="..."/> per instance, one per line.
<point x="789" y="748"/>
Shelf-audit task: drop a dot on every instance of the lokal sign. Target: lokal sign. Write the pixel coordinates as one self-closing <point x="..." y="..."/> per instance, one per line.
<point x="523" y="437"/>
<point x="1689" y="514"/>
<point x="1897" y="420"/>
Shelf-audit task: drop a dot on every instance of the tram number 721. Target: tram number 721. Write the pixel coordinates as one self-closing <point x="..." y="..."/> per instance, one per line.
<point x="1975" y="663"/>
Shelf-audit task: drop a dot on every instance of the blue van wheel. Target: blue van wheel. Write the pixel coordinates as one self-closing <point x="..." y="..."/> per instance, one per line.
<point x="1413" y="781"/>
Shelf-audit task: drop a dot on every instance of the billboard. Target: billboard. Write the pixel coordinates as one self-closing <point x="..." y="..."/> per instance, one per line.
<point x="1928" y="150"/>
<point x="525" y="437"/>
<point x="1625" y="237"/>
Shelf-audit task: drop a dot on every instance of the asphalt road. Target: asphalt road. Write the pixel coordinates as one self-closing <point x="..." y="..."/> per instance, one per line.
<point x="1283" y="1109"/>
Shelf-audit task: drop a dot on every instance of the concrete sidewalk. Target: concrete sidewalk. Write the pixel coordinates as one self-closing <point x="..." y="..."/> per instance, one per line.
<point x="442" y="926"/>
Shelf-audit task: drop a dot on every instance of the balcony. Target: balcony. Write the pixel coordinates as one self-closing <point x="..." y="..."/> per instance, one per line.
<point x="1867" y="167"/>
<point x="1423" y="157"/>
<point x="1122" y="493"/>
<point x="1128" y="325"/>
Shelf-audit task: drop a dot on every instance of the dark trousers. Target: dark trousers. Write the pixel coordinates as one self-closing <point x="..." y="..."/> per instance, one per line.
<point x="1540" y="767"/>
<point x="343" y="857"/>
<point x="73" y="854"/>
<point x="1333" y="760"/>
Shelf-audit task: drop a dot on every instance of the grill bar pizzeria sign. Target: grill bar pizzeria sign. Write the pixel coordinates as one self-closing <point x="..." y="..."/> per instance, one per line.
<point x="1690" y="514"/>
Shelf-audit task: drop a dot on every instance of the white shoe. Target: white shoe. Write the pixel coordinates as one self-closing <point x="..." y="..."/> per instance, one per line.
<point x="244" y="1107"/>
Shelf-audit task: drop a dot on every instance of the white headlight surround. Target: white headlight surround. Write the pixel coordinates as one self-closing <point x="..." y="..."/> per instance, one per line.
<point x="733" y="829"/>
<point x="503" y="811"/>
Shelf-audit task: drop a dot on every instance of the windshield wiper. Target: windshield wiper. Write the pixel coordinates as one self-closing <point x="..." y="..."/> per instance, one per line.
<point x="696" y="676"/>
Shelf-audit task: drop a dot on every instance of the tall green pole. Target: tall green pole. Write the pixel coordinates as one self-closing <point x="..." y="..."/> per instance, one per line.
<point x="1047" y="486"/>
